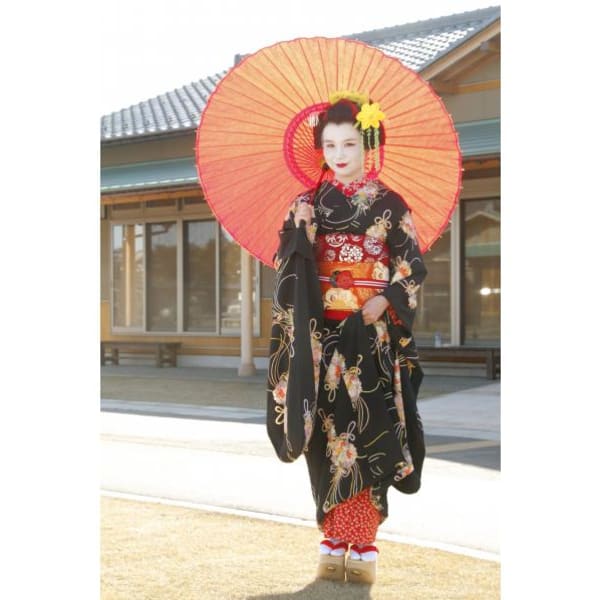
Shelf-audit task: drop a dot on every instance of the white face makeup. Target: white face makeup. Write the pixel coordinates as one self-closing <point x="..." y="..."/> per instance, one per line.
<point x="342" y="151"/>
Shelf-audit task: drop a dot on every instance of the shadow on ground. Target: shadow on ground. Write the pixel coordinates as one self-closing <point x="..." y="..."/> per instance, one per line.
<point x="223" y="387"/>
<point x="318" y="590"/>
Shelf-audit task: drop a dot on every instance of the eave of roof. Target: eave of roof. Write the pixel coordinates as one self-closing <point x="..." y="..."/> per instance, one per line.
<point x="476" y="138"/>
<point x="148" y="175"/>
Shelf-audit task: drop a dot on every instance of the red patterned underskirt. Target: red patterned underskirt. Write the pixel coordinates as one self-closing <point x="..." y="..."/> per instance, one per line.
<point x="354" y="521"/>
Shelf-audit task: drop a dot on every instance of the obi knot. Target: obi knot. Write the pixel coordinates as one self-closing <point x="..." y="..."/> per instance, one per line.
<point x="342" y="279"/>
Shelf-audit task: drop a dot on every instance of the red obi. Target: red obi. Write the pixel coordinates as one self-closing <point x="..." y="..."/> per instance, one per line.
<point x="352" y="269"/>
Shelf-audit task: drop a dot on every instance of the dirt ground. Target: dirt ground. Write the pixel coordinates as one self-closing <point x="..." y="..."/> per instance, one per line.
<point x="158" y="552"/>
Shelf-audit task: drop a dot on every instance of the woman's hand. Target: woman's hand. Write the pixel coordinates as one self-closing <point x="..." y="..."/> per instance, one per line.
<point x="373" y="308"/>
<point x="304" y="212"/>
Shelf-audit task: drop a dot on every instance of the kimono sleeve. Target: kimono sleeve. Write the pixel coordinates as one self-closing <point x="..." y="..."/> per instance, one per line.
<point x="297" y="317"/>
<point x="407" y="269"/>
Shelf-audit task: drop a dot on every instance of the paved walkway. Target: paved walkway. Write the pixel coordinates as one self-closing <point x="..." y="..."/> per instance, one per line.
<point x="205" y="442"/>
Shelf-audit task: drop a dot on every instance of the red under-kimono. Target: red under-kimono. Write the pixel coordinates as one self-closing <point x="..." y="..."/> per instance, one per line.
<point x="340" y="392"/>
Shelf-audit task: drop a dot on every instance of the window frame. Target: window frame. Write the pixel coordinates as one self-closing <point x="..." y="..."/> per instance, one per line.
<point x="117" y="329"/>
<point x="463" y="258"/>
<point x="179" y="219"/>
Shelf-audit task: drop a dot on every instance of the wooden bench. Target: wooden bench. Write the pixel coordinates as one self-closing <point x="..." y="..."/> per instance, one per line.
<point x="165" y="353"/>
<point x="467" y="354"/>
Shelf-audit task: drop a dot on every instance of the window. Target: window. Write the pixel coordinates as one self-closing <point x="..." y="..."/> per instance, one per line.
<point x="230" y="294"/>
<point x="481" y="271"/>
<point x="433" y="301"/>
<point x="161" y="279"/>
<point x="178" y="276"/>
<point x="126" y="207"/>
<point x="199" y="276"/>
<point x="160" y="204"/>
<point x="128" y="276"/>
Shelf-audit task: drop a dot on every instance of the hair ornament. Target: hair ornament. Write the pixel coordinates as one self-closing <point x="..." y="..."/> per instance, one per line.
<point x="370" y="115"/>
<point x="367" y="119"/>
<point x="353" y="96"/>
<point x="313" y="119"/>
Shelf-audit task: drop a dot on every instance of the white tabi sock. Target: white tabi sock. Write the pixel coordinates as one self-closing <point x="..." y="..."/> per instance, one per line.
<point x="325" y="549"/>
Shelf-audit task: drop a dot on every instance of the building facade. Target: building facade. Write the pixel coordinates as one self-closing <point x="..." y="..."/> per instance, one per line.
<point x="169" y="272"/>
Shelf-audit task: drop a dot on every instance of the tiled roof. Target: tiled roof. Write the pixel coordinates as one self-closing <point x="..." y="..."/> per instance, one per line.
<point x="174" y="111"/>
<point x="417" y="45"/>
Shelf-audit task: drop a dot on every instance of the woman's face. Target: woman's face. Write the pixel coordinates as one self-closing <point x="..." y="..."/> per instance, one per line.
<point x="342" y="151"/>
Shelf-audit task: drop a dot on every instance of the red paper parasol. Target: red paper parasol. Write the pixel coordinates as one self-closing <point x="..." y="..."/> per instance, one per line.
<point x="254" y="148"/>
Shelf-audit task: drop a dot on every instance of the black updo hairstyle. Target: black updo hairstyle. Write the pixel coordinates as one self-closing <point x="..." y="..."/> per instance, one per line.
<point x="345" y="111"/>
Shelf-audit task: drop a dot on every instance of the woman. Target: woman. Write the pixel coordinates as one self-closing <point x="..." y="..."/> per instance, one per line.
<point x="343" y="371"/>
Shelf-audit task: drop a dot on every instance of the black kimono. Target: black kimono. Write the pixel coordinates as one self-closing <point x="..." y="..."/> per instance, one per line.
<point x="342" y="393"/>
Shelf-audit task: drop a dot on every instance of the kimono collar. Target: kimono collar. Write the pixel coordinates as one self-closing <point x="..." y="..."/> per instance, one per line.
<point x="351" y="188"/>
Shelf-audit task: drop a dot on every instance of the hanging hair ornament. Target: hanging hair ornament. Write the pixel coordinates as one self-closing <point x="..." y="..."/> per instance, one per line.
<point x="377" y="165"/>
<point x="313" y="119"/>
<point x="369" y="118"/>
<point x="362" y="155"/>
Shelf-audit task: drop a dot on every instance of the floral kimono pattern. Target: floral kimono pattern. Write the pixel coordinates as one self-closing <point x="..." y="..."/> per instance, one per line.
<point x="342" y="393"/>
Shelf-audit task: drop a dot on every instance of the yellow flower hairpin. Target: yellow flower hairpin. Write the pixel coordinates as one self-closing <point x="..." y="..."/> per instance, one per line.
<point x="370" y="115"/>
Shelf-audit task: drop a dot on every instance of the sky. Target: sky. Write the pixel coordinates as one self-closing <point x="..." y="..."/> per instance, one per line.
<point x="151" y="47"/>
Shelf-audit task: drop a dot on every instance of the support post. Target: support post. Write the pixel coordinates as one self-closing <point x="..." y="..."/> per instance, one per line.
<point x="455" y="278"/>
<point x="247" y="309"/>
